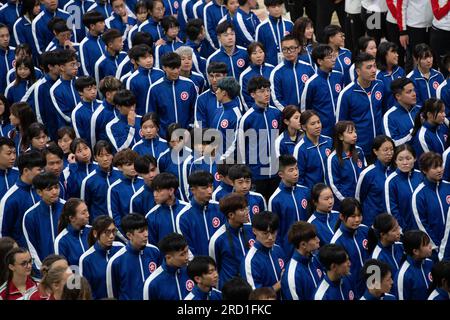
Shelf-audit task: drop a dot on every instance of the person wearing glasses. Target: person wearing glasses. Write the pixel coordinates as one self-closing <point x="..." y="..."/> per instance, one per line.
<point x="94" y="261"/>
<point x="120" y="19"/>
<point x="289" y="77"/>
<point x="19" y="282"/>
<point x="335" y="38"/>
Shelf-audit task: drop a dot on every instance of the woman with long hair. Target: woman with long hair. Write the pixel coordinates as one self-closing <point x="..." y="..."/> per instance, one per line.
<point x="21" y="117"/>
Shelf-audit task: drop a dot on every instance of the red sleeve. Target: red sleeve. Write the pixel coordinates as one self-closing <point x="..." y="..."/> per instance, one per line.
<point x="401" y="15"/>
<point x="392" y="8"/>
<point x="439" y="13"/>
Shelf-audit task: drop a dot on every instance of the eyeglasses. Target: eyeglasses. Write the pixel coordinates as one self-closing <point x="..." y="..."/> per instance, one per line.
<point x="75" y="65"/>
<point x="289" y="49"/>
<point x="26" y="262"/>
<point x="111" y="232"/>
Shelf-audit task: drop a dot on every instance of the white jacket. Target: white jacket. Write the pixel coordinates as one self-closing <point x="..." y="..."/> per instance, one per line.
<point x="441" y="18"/>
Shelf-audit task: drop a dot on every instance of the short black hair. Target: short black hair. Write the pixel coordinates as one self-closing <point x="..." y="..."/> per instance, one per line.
<point x="200" y="178"/>
<point x="257" y="82"/>
<point x="232" y="202"/>
<point x="421" y="51"/>
<point x="53" y="148"/>
<point x="223" y="27"/>
<point x="330" y="31"/>
<point x="414" y="239"/>
<point x="223" y="168"/>
<point x="153" y="116"/>
<point x="217" y="67"/>
<point x="171" y="60"/>
<point x="320" y="52"/>
<point x="110" y="35"/>
<point x="367" y="269"/>
<point x="45" y="180"/>
<point x="289" y="37"/>
<point x="140" y="51"/>
<point x="361" y="58"/>
<point x="165" y="180"/>
<point x="399" y="84"/>
<point x="142" y="163"/>
<point x="239" y="171"/>
<point x="199" y="266"/>
<point x="172" y="242"/>
<point x="4" y="141"/>
<point x="29" y="160"/>
<point x="83" y="82"/>
<point x="230" y="86"/>
<point x="103" y="145"/>
<point x="266" y="221"/>
<point x="132" y="222"/>
<point x="66" y="56"/>
<point x="440" y="272"/>
<point x="332" y="253"/>
<point x="271" y="3"/>
<point x="193" y="28"/>
<point x="124" y="97"/>
<point x="142" y="38"/>
<point x="301" y="231"/>
<point x="286" y="160"/>
<point x="92" y="17"/>
<point x="57" y="25"/>
<point x="49" y="58"/>
<point x="236" y="289"/>
<point x="169" y="22"/>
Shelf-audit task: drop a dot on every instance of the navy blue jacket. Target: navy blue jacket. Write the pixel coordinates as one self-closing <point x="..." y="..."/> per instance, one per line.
<point x="369" y="297"/>
<point x="121" y="134"/>
<point x="104" y="114"/>
<point x="161" y="49"/>
<point x="331" y="290"/>
<point x="387" y="79"/>
<point x="115" y="22"/>
<point x="324" y="223"/>
<point x="6" y="63"/>
<point x="9" y="13"/>
<point x="75" y="174"/>
<point x="75" y="8"/>
<point x="285" y="145"/>
<point x="439" y="294"/>
<point x="443" y="93"/>
<point x="236" y="63"/>
<point x="430" y="138"/>
<point x="81" y="119"/>
<point x="413" y="280"/>
<point x="154" y="147"/>
<point x="221" y="191"/>
<point x="93" y="265"/>
<point x="252" y="71"/>
<point x="343" y="64"/>
<point x="425" y="88"/>
<point x="65" y="98"/>
<point x="197" y="294"/>
<point x="72" y="243"/>
<point x="391" y="254"/>
<point x="128" y="270"/>
<point x="399" y="122"/>
<point x="22" y="32"/>
<point x="7" y="179"/>
<point x="142" y="201"/>
<point x="91" y="49"/>
<point x="104" y="8"/>
<point x="212" y="14"/>
<point x="153" y="28"/>
<point x="205" y="108"/>
<point x="107" y="65"/>
<point x="245" y="27"/>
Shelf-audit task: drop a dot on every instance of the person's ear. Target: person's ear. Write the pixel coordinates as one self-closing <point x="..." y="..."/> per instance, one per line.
<point x="197" y="279"/>
<point x="415" y="252"/>
<point x="39" y="192"/>
<point x="95" y="233"/>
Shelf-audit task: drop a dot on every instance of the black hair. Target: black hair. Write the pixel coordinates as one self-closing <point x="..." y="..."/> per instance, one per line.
<point x="330" y="31"/>
<point x="199" y="266"/>
<point x="363" y="43"/>
<point x="28" y="7"/>
<point x="301" y="231"/>
<point x="414" y="239"/>
<point x="23" y="111"/>
<point x="84" y="82"/>
<point x="266" y="221"/>
<point x="232" y="202"/>
<point x="200" y="178"/>
<point x="239" y="171"/>
<point x="253" y="46"/>
<point x="272" y="3"/>
<point x="378" y="142"/>
<point x="45" y="180"/>
<point x="332" y="253"/>
<point x="49" y="58"/>
<point x="433" y="106"/>
<point x="142" y="38"/>
<point x="315" y="195"/>
<point x="257" y="82"/>
<point x="69" y="210"/>
<point x="140" y="51"/>
<point x="230" y="86"/>
<point x="132" y="222"/>
<point x="223" y="168"/>
<point x="100" y="224"/>
<point x="223" y="27"/>
<point x="124" y="97"/>
<point x="398" y="85"/>
<point x="169" y="22"/>
<point x="165" y="180"/>
<point x="4" y="141"/>
<point x="320" y="52"/>
<point x="103" y="145"/>
<point x="171" y="128"/>
<point x="383" y="223"/>
<point x="289" y="37"/>
<point x="286" y="160"/>
<point x="339" y="129"/>
<point x="4" y="117"/>
<point x="382" y="51"/>
<point x="193" y="28"/>
<point x="75" y="143"/>
<point x="236" y="289"/>
<point x="439" y="273"/>
<point x="217" y="67"/>
<point x="28" y="63"/>
<point x="142" y="163"/>
<point x="110" y="35"/>
<point x="171" y="60"/>
<point x="92" y="17"/>
<point x="367" y="270"/>
<point x="348" y="208"/>
<point x="29" y="160"/>
<point x="172" y="242"/>
<point x="421" y="51"/>
<point x="153" y="116"/>
<point x="361" y="58"/>
<point x="66" y="56"/>
<point x="57" y="25"/>
<point x="34" y="130"/>
<point x="53" y="148"/>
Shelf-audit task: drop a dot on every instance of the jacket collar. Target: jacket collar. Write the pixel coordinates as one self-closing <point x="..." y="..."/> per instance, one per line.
<point x="226" y="187"/>
<point x="107" y="105"/>
<point x="133" y="250"/>
<point x="286" y="188"/>
<point x="29" y="283"/>
<point x="235" y="50"/>
<point x="323" y="217"/>
<point x="258" y="245"/>
<point x="197" y="205"/>
<point x="346" y="231"/>
<point x="309" y="144"/>
<point x="75" y="232"/>
<point x="169" y="269"/>
<point x="100" y="249"/>
<point x="297" y="256"/>
<point x="231" y="104"/>
<point x="430" y="184"/>
<point x="414" y="262"/>
<point x="23" y="185"/>
<point x="323" y="74"/>
<point x="430" y="126"/>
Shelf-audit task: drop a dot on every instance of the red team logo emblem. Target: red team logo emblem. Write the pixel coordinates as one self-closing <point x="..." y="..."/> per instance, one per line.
<point x="359" y="163"/>
<point x="364" y="243"/>
<point x="378" y="95"/>
<point x="255" y="209"/>
<point x="216" y="176"/>
<point x="337" y="87"/>
<point x="435" y="85"/>
<point x="176" y="5"/>
<point x="224" y="123"/>
<point x="240" y="63"/>
<point x="274" y="124"/>
<point x="351" y="295"/>
<point x="281" y="263"/>
<point x="347" y="61"/>
<point x="184" y="96"/>
<point x="152" y="266"/>
<point x="430" y="276"/>
<point x="448" y="199"/>
<point x="286" y="33"/>
<point x="215" y="222"/>
<point x="304" y="203"/>
<point x="305" y="78"/>
<point x="251" y="242"/>
<point x="189" y="285"/>
<point x="319" y="272"/>
<point x="327" y="152"/>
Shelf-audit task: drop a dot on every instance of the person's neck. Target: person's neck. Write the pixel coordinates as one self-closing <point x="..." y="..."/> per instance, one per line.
<point x="326" y="70"/>
<point x="314" y="139"/>
<point x="293" y="61"/>
<point x="225" y="100"/>
<point x="203" y="288"/>
<point x="107" y="170"/>
<point x="376" y="292"/>
<point x="49" y="203"/>
<point x="292" y="132"/>
<point x="304" y="252"/>
<point x="20" y="282"/>
<point x="25" y="179"/>
<point x="364" y="83"/>
<point x="66" y="77"/>
<point x="111" y="52"/>
<point x="335" y="47"/>
<point x="4" y="48"/>
<point x="404" y="105"/>
<point x="76" y="226"/>
<point x="94" y="33"/>
<point x="234" y="224"/>
<point x="389" y="67"/>
<point x="333" y="276"/>
<point x="261" y="105"/>
<point x="229" y="50"/>
<point x="246" y="8"/>
<point x="287" y="183"/>
<point x="202" y="203"/>
<point x="86" y="100"/>
<point x="53" y="75"/>
<point x="425" y="72"/>
<point x="135" y="246"/>
<point x="345" y="147"/>
<point x="171" y="201"/>
<point x="385" y="243"/>
<point x="4" y="168"/>
<point x="185" y="73"/>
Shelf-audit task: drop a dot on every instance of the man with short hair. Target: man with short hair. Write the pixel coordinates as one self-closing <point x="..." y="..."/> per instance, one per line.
<point x="8" y="173"/>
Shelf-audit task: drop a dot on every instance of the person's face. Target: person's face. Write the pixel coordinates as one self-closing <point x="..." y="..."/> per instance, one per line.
<point x="4" y="38"/>
<point x="81" y="217"/>
<point x="435" y="174"/>
<point x="2" y="107"/>
<point x="172" y="73"/>
<point x="64" y="143"/>
<point x="426" y="63"/>
<point x="372" y="48"/>
<point x="343" y="269"/>
<point x="252" y="4"/>
<point x="31" y="173"/>
<point x="385" y="152"/>
<point x="313" y="126"/>
<point x="70" y="69"/>
<point x="408" y="95"/>
<point x="294" y="121"/>
<point x="83" y="153"/>
<point x="290" y="49"/>
<point x="242" y="185"/>
<point x="14" y="120"/>
<point x="228" y="38"/>
<point x="437" y="119"/>
<point x="425" y="251"/>
<point x="60" y="263"/>
<point x="125" y="110"/>
<point x="23" y="72"/>
<point x="40" y="141"/>
<point x="337" y="40"/>
<point x="392" y="57"/>
<point x="214" y="78"/>
<point x="149" y="130"/>
<point x="220" y="95"/>
<point x="116" y="45"/>
<point x="326" y="201"/>
<point x="99" y="27"/>
<point x="392" y="235"/>
<point x="241" y="216"/>
<point x="202" y="193"/>
<point x="63" y="36"/>
<point x="328" y="62"/>
<point x="128" y="170"/>
<point x="261" y="96"/>
<point x="312" y="244"/>
<point x="266" y="238"/>
<point x="52" y="5"/>
<point x="258" y="56"/>
<point x="349" y="136"/>
<point x="146" y="62"/>
<point x="162" y="196"/>
<point x="210" y="278"/>
<point x="178" y="259"/>
<point x="36" y="8"/>
<point x="90" y="93"/>
<point x="309" y="32"/>
<point x="152" y="173"/>
<point x="7" y="157"/>
<point x="142" y="14"/>
<point x="232" y="6"/>
<point x="104" y="159"/>
<point x="354" y="221"/>
<point x="49" y="195"/>
<point x="172" y="32"/>
<point x="106" y="238"/>
<point x="368" y="70"/>
<point x="119" y="8"/>
<point x="386" y="283"/>
<point x="186" y="63"/>
<point x="290" y="175"/>
<point x="138" y="238"/>
<point x="405" y="161"/>
<point x="54" y="164"/>
<point x="158" y="10"/>
<point x="22" y="265"/>
<point x="276" y="10"/>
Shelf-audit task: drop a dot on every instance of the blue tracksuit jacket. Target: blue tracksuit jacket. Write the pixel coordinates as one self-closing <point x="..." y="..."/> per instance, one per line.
<point x="142" y="201"/>
<point x="212" y="14"/>
<point x="104" y="114"/>
<point x="325" y="224"/>
<point x="430" y="138"/>
<point x="285" y="145"/>
<point x="65" y="98"/>
<point x="320" y="94"/>
<point x="81" y="119"/>
<point x="72" y="243"/>
<point x="160" y="50"/>
<point x="93" y="265"/>
<point x="205" y="109"/>
<point x="228" y="247"/>
<point x="79" y="7"/>
<point x="15" y="93"/>
<point x="343" y="63"/>
<point x="443" y="93"/>
<point x="335" y="290"/>
<point x="128" y="270"/>
<point x="425" y="88"/>
<point x="399" y="122"/>
<point x="7" y="179"/>
<point x="120" y="134"/>
<point x="9" y="13"/>
<point x="115" y="22"/>
<point x="107" y="65"/>
<point x="91" y="49"/>
<point x="312" y="160"/>
<point x="252" y="71"/>
<point x="439" y="294"/>
<point x="369" y="297"/>
<point x="413" y="280"/>
<point x="153" y="28"/>
<point x="236" y="63"/>
<point x="22" y="33"/>
<point x="154" y="147"/>
<point x="75" y="173"/>
<point x="387" y="79"/>
<point x="197" y="294"/>
<point x="6" y="63"/>
<point x="221" y="191"/>
<point x="245" y="27"/>
<point x="198" y="59"/>
<point x="391" y="254"/>
<point x="104" y="8"/>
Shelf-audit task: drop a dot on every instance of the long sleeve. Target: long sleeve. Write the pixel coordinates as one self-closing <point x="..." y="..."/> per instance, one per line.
<point x="438" y="12"/>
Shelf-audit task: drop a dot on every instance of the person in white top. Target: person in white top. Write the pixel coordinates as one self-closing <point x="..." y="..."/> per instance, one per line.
<point x="440" y="31"/>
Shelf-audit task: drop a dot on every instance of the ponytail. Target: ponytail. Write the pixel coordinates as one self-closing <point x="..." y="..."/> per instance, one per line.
<point x="69" y="210"/>
<point x="383" y="223"/>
